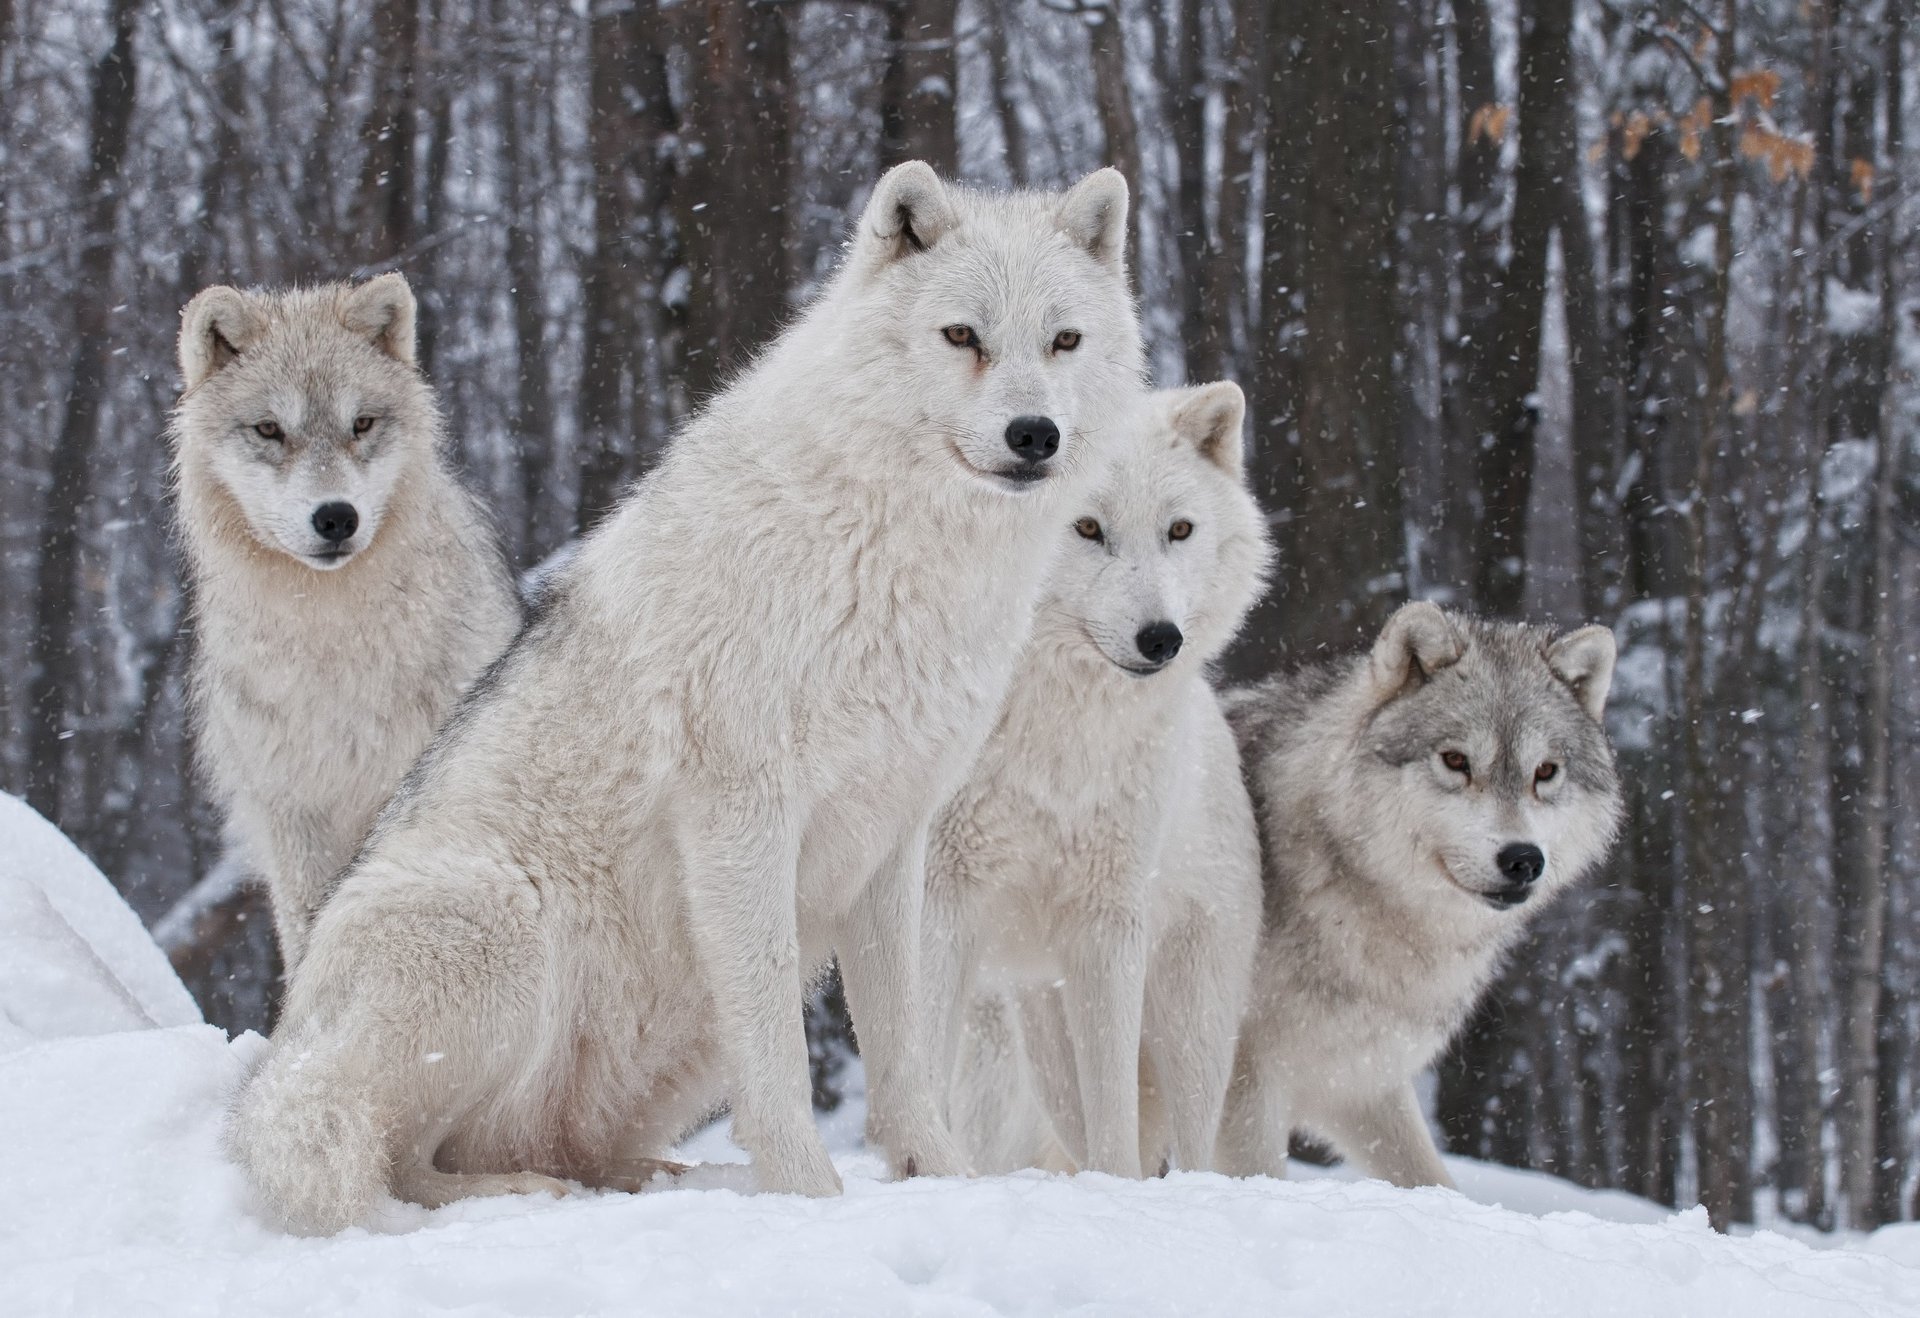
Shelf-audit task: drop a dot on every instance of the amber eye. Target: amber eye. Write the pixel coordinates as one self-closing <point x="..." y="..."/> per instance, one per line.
<point x="961" y="336"/>
<point x="1066" y="340"/>
<point x="270" y="430"/>
<point x="1454" y="760"/>
<point x="1546" y="773"/>
<point x="1088" y="529"/>
<point x="1180" y="530"/>
<point x="362" y="424"/>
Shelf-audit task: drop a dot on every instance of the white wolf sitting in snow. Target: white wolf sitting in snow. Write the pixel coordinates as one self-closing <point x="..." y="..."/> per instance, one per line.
<point x="1417" y="806"/>
<point x="711" y="759"/>
<point x="346" y="587"/>
<point x="1101" y="865"/>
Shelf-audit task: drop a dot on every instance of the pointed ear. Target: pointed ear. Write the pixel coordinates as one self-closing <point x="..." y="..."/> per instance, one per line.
<point x="1584" y="661"/>
<point x="216" y="327"/>
<point x="1094" y="214"/>
<point x="383" y="310"/>
<point x="1417" y="642"/>
<point x="1208" y="416"/>
<point x="910" y="211"/>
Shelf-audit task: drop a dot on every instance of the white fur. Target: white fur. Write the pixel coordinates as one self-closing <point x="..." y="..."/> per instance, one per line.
<point x="1101" y="864"/>
<point x="1383" y="915"/>
<point x="712" y="758"/>
<point x="317" y="681"/>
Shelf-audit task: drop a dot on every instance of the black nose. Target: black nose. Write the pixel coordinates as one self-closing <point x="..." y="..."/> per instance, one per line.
<point x="1158" y="642"/>
<point x="1521" y="862"/>
<point x="1034" y="438"/>
<point x="336" y="522"/>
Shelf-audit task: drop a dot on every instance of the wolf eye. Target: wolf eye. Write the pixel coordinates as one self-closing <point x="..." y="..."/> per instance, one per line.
<point x="1180" y="530"/>
<point x="1088" y="529"/>
<point x="362" y="424"/>
<point x="1546" y="773"/>
<point x="1066" y="340"/>
<point x="1454" y="760"/>
<point x="270" y="430"/>
<point x="961" y="336"/>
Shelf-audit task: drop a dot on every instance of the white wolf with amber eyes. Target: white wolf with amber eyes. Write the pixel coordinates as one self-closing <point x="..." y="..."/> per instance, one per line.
<point x="711" y="759"/>
<point x="1418" y="806"/>
<point x="346" y="587"/>
<point x="1100" y="869"/>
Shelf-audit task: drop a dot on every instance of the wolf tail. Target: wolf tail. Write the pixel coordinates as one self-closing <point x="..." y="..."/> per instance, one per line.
<point x="307" y="1130"/>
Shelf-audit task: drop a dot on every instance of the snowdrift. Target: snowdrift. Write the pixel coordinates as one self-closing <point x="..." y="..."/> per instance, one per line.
<point x="115" y="1198"/>
<point x="74" y="958"/>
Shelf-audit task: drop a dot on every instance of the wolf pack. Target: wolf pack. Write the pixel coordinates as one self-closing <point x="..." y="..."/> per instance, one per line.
<point x="900" y="659"/>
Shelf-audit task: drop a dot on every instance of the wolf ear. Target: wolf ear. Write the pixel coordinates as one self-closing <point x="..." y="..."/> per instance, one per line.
<point x="1417" y="642"/>
<point x="215" y="328"/>
<point x="909" y="211"/>
<point x="1584" y="661"/>
<point x="382" y="309"/>
<point x="1208" y="416"/>
<point x="1094" y="215"/>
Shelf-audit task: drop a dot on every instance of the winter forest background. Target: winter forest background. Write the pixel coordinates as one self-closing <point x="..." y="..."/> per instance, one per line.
<point x="1583" y="309"/>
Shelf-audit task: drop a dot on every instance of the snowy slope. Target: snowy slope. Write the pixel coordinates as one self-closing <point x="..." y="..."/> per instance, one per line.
<point x="114" y="1198"/>
<point x="74" y="959"/>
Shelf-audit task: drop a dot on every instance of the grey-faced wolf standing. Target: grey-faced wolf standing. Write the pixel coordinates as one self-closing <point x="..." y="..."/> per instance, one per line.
<point x="1418" y="806"/>
<point x="713" y="757"/>
<point x="346" y="587"/>
<point x="1101" y="866"/>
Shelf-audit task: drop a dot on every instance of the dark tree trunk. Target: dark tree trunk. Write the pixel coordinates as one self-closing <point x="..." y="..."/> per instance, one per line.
<point x="917" y="116"/>
<point x="732" y="205"/>
<point x="632" y="122"/>
<point x="58" y="579"/>
<point x="1325" y="401"/>
<point x="385" y="210"/>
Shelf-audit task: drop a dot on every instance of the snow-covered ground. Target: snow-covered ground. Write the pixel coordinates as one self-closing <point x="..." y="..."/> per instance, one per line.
<point x="115" y="1198"/>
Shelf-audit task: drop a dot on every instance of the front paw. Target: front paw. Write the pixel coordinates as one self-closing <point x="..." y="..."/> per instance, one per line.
<point x="930" y="1152"/>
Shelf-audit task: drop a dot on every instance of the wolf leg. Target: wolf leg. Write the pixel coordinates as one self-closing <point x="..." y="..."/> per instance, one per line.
<point x="1388" y="1137"/>
<point x="1191" y="1019"/>
<point x="1043" y="1024"/>
<point x="1257" y="1122"/>
<point x="1102" y="1002"/>
<point x="879" y="952"/>
<point x="740" y="863"/>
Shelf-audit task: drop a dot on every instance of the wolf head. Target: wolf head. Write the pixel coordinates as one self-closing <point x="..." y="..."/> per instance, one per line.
<point x="1163" y="562"/>
<point x="1487" y="754"/>
<point x="1001" y="324"/>
<point x="304" y="407"/>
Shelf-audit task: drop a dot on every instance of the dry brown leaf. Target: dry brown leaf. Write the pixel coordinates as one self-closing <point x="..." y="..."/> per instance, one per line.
<point x="1861" y="173"/>
<point x="1489" y="121"/>
<point x="1756" y="85"/>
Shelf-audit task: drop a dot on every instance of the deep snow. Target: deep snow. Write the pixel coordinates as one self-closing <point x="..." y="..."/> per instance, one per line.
<point x="74" y="959"/>
<point x="115" y="1198"/>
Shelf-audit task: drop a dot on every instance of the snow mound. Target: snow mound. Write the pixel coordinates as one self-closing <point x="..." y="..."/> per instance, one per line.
<point x="115" y="1198"/>
<point x="74" y="958"/>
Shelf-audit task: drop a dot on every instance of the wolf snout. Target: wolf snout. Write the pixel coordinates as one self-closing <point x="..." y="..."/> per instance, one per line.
<point x="1158" y="642"/>
<point x="1033" y="439"/>
<point x="336" y="522"/>
<point x="1521" y="864"/>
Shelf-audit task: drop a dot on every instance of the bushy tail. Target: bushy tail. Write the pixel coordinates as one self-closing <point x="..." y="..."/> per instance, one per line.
<point x="307" y="1130"/>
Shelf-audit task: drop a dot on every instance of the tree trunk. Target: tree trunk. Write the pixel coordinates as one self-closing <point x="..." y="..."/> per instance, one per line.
<point x="917" y="114"/>
<point x="58" y="580"/>
<point x="533" y="428"/>
<point x="1504" y="367"/>
<point x="733" y="200"/>
<point x="632" y="121"/>
<point x="386" y="197"/>
<point x="1325" y="401"/>
<point x="1113" y="98"/>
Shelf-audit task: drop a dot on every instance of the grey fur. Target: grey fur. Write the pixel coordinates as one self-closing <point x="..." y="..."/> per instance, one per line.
<point x="1383" y="920"/>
